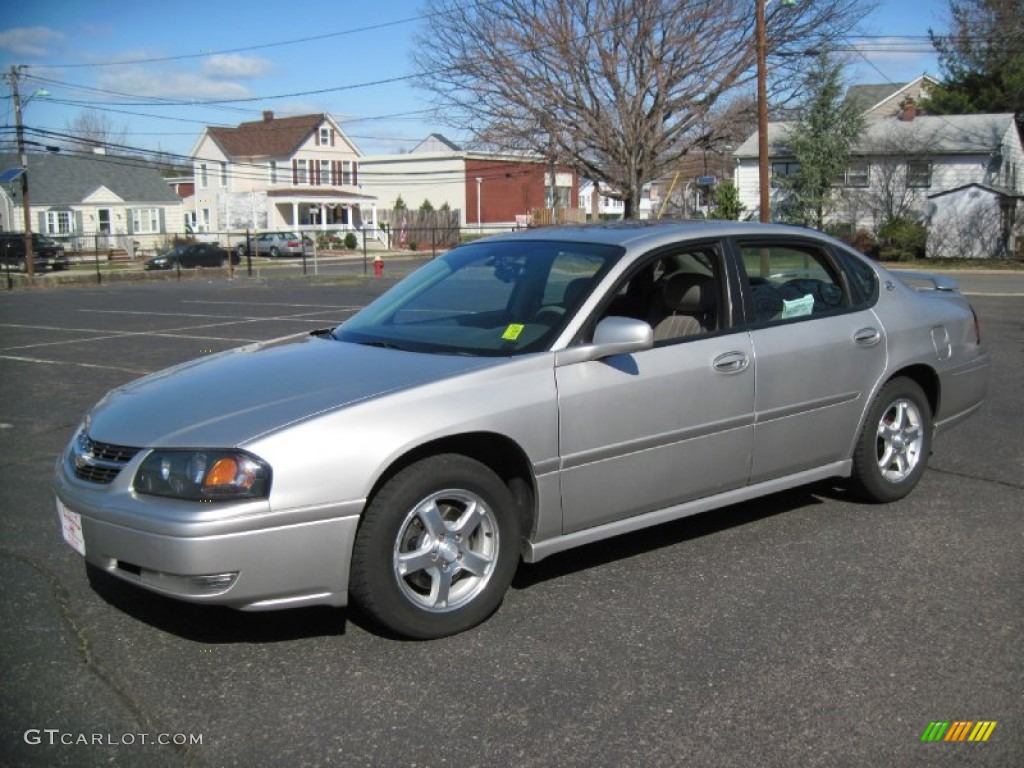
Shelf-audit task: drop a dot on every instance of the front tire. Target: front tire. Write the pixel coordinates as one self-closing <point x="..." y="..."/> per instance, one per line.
<point x="896" y="439"/>
<point x="437" y="548"/>
<point x="274" y="253"/>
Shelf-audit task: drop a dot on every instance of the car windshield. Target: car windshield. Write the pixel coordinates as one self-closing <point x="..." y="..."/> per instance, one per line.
<point x="497" y="298"/>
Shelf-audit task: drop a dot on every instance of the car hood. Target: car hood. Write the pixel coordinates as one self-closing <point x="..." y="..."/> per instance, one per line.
<point x="236" y="396"/>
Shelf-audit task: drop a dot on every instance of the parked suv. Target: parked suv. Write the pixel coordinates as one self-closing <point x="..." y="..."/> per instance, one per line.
<point x="46" y="253"/>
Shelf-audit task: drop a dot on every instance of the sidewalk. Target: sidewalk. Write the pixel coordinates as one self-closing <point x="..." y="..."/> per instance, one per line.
<point x="352" y="265"/>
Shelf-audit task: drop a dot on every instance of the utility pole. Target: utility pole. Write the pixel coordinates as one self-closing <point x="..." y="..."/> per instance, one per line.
<point x="30" y="268"/>
<point x="762" y="111"/>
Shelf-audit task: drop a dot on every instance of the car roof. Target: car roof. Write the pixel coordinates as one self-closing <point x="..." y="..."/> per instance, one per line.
<point x="652" y="233"/>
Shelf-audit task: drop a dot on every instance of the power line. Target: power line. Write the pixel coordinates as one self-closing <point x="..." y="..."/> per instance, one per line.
<point x="262" y="46"/>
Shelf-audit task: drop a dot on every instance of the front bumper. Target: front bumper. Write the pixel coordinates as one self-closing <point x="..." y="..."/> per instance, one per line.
<point x="245" y="556"/>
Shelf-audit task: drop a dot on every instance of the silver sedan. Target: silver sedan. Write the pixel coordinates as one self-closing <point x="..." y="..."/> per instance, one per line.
<point x="522" y="395"/>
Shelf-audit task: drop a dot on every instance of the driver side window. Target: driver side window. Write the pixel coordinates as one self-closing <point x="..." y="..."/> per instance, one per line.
<point x="679" y="293"/>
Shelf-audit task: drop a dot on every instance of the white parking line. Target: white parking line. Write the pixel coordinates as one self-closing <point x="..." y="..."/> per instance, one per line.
<point x="69" y="362"/>
<point x="997" y="295"/>
<point x="266" y="304"/>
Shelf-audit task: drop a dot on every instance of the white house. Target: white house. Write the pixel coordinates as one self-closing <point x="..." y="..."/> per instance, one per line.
<point x="491" y="190"/>
<point x="903" y="165"/>
<point x="593" y="199"/>
<point x="278" y="173"/>
<point x="93" y="201"/>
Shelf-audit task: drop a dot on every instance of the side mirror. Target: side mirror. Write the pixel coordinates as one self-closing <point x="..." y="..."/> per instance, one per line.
<point x="613" y="336"/>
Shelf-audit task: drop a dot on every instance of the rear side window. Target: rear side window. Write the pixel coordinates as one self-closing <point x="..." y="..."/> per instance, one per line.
<point x="791" y="282"/>
<point x="863" y="277"/>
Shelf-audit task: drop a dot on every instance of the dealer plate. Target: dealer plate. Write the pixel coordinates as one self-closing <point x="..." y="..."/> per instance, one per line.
<point x="71" y="528"/>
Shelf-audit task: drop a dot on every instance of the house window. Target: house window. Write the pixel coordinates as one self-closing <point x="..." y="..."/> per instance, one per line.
<point x="783" y="170"/>
<point x="856" y="174"/>
<point x="300" y="172"/>
<point x="346" y="171"/>
<point x="203" y="180"/>
<point x="146" y="221"/>
<point x="204" y="219"/>
<point x="325" y="172"/>
<point x="59" y="222"/>
<point x="325" y="137"/>
<point x="919" y="173"/>
<point x="223" y="174"/>
<point x="273" y="171"/>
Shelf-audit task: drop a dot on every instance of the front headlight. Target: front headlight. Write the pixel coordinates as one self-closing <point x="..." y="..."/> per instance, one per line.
<point x="203" y="475"/>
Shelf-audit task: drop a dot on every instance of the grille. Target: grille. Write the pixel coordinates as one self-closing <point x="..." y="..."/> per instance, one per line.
<point x="99" y="462"/>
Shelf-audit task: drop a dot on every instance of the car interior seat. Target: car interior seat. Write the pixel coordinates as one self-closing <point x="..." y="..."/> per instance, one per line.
<point x="688" y="307"/>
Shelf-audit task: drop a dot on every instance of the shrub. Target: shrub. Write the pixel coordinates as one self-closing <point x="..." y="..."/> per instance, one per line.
<point x="412" y="245"/>
<point x="351" y="241"/>
<point x="865" y="242"/>
<point x="901" y="239"/>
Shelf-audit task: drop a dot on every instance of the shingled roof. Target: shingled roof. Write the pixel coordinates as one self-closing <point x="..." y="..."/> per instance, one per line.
<point x="864" y="97"/>
<point x="938" y="134"/>
<point x="269" y="137"/>
<point x="59" y="179"/>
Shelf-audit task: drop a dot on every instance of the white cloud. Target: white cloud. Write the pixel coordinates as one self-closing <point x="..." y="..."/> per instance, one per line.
<point x="170" y="85"/>
<point x="229" y="65"/>
<point x="30" y="41"/>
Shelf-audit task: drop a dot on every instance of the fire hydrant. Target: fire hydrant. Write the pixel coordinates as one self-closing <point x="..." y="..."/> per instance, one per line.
<point x="378" y="266"/>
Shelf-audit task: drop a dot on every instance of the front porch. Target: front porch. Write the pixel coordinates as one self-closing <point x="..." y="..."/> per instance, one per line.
<point x="321" y="210"/>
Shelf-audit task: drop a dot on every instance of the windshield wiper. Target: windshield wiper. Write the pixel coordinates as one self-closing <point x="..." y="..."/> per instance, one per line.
<point x="383" y="345"/>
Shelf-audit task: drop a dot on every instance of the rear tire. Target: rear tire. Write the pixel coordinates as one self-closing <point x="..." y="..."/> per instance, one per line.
<point x="437" y="548"/>
<point x="894" y="444"/>
<point x="274" y="253"/>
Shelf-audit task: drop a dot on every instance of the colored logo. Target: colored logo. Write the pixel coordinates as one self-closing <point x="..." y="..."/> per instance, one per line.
<point x="958" y="730"/>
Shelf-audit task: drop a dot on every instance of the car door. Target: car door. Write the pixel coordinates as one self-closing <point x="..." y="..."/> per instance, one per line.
<point x="659" y="427"/>
<point x="819" y="350"/>
<point x="189" y="257"/>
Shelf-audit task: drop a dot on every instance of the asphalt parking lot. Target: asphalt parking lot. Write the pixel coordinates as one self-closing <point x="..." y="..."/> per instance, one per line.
<point x="802" y="629"/>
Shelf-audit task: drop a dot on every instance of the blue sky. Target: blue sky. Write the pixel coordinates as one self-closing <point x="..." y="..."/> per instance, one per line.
<point x="385" y="117"/>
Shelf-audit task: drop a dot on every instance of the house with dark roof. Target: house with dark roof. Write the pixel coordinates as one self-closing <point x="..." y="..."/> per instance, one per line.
<point x="92" y="201"/>
<point x="278" y="173"/>
<point x="907" y="165"/>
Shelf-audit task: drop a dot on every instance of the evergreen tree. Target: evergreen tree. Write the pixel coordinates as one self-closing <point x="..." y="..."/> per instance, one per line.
<point x="982" y="59"/>
<point x="727" y="202"/>
<point x="820" y="140"/>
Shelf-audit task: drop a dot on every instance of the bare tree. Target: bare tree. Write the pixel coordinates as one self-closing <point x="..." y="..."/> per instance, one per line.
<point x="898" y="159"/>
<point x="618" y="89"/>
<point x="91" y="129"/>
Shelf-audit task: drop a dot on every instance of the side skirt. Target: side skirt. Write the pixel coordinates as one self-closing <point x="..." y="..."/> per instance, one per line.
<point x="535" y="551"/>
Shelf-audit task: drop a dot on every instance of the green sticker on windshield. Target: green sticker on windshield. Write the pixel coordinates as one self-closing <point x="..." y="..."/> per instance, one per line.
<point x="512" y="332"/>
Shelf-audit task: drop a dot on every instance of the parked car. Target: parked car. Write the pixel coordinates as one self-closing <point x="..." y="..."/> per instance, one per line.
<point x="519" y="396"/>
<point x="276" y="244"/>
<point x="46" y="253"/>
<point x="189" y="255"/>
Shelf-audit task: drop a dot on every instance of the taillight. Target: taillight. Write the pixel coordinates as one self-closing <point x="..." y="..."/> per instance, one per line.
<point x="292" y="244"/>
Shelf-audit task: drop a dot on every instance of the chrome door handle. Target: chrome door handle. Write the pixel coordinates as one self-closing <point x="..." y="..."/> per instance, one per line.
<point x="867" y="337"/>
<point x="731" y="362"/>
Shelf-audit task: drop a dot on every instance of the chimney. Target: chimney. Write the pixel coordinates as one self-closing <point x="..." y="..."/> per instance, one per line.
<point x="909" y="110"/>
<point x="268" y="115"/>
